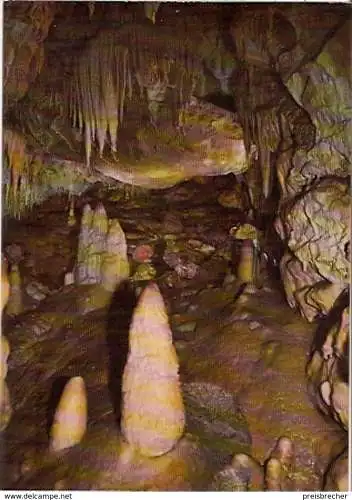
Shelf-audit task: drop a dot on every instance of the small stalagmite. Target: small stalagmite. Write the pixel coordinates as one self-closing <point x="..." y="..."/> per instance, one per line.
<point x="252" y="471"/>
<point x="70" y="419"/>
<point x="15" y="302"/>
<point x="248" y="263"/>
<point x="83" y="245"/>
<point x="4" y="354"/>
<point x="5" y="285"/>
<point x="115" y="267"/>
<point x="5" y="403"/>
<point x="98" y="232"/>
<point x="153" y="415"/>
<point x="284" y="451"/>
<point x="71" y="221"/>
<point x="273" y="475"/>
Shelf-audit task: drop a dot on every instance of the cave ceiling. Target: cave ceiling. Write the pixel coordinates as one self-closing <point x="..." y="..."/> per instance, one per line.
<point x="105" y="87"/>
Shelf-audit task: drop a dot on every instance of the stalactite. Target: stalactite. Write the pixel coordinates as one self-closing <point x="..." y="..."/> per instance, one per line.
<point x="17" y="192"/>
<point x="104" y="76"/>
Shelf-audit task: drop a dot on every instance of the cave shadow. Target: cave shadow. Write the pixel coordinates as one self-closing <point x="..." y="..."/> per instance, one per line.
<point x="117" y="340"/>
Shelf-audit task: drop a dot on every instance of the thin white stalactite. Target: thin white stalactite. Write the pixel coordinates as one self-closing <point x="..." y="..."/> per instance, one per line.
<point x="95" y="93"/>
<point x="124" y="83"/>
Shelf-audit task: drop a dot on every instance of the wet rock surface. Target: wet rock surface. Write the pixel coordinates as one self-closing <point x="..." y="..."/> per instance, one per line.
<point x="242" y="353"/>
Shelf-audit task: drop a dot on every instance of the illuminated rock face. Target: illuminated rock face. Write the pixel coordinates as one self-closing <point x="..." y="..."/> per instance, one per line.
<point x="316" y="269"/>
<point x="316" y="221"/>
<point x="153" y="413"/>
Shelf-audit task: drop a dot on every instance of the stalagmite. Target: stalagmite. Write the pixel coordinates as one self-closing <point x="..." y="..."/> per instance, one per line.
<point x="115" y="266"/>
<point x="284" y="452"/>
<point x="70" y="420"/>
<point x="83" y="245"/>
<point x="247" y="266"/>
<point x="273" y="475"/>
<point x="71" y="221"/>
<point x="153" y="416"/>
<point x="5" y="285"/>
<point x="253" y="471"/>
<point x="5" y="403"/>
<point x="98" y="232"/>
<point x="15" y="302"/>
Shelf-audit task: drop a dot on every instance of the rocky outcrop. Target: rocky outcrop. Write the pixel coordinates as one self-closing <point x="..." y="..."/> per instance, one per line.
<point x="316" y="224"/>
<point x="293" y="94"/>
<point x="329" y="366"/>
<point x="316" y="228"/>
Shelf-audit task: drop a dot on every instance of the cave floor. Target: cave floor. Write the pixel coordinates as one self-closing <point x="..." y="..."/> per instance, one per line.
<point x="249" y="346"/>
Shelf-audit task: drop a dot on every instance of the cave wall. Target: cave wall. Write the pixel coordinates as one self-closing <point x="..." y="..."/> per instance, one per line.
<point x="293" y="91"/>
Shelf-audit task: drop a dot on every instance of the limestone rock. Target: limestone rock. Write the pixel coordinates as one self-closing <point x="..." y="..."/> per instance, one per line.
<point x="317" y="231"/>
<point x="153" y="413"/>
<point x="213" y="415"/>
<point x="329" y="367"/>
<point x="323" y="88"/>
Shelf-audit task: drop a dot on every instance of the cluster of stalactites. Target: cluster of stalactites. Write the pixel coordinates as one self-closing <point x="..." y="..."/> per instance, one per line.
<point x="101" y="80"/>
<point x="112" y="65"/>
<point x="17" y="189"/>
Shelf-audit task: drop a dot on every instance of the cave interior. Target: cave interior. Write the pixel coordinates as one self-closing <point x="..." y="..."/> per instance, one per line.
<point x="175" y="246"/>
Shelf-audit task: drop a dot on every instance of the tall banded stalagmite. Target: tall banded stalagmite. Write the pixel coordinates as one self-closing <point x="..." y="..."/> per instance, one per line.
<point x="153" y="415"/>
